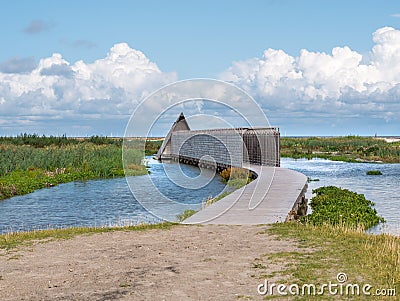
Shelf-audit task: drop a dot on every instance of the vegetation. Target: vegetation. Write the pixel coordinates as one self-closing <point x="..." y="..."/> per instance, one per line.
<point x="216" y="199"/>
<point x="186" y="214"/>
<point x="374" y="173"/>
<point x="12" y="240"/>
<point x="332" y="240"/>
<point x="30" y="162"/>
<point x="152" y="146"/>
<point x="336" y="206"/>
<point x="236" y="177"/>
<point x="324" y="251"/>
<point x="349" y="149"/>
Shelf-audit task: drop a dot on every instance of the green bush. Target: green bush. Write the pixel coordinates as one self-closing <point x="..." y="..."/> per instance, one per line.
<point x="236" y="177"/>
<point x="336" y="206"/>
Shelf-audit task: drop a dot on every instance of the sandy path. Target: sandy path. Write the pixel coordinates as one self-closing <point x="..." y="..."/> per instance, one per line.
<point x="184" y="263"/>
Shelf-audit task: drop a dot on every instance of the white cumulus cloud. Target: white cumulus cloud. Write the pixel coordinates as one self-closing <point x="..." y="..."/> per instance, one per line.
<point x="341" y="82"/>
<point x="57" y="89"/>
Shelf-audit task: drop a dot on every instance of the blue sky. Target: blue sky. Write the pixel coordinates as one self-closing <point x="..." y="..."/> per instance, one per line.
<point x="186" y="39"/>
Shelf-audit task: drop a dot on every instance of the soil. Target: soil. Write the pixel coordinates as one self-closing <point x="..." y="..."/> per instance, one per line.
<point x="210" y="262"/>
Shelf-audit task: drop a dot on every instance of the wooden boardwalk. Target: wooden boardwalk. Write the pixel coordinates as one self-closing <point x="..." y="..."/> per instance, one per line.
<point x="266" y="200"/>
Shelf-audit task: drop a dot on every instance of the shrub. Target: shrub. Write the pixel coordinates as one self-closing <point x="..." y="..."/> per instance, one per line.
<point x="236" y="177"/>
<point x="336" y="206"/>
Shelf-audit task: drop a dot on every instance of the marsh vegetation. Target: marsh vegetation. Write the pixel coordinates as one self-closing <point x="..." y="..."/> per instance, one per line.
<point x="30" y="162"/>
<point x="348" y="149"/>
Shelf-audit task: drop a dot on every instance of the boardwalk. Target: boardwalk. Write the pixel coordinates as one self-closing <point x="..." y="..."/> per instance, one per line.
<point x="268" y="199"/>
<point x="276" y="194"/>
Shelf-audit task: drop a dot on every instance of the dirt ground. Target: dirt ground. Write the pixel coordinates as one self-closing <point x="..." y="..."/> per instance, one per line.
<point x="208" y="262"/>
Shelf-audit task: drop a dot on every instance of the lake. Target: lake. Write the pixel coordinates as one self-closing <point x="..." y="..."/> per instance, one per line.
<point x="110" y="202"/>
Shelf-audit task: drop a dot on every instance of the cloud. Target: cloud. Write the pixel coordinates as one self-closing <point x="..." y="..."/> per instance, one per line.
<point x="18" y="65"/>
<point x="58" y="70"/>
<point x="110" y="87"/>
<point x="38" y="26"/>
<point x="396" y="15"/>
<point x="341" y="83"/>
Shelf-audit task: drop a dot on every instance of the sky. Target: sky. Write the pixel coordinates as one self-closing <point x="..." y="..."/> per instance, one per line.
<point x="315" y="67"/>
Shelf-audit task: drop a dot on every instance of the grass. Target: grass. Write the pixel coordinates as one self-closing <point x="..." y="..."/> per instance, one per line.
<point x="324" y="251"/>
<point x="30" y="162"/>
<point x="236" y="177"/>
<point x="348" y="149"/>
<point x="186" y="214"/>
<point x="331" y="240"/>
<point x="374" y="173"/>
<point x="11" y="240"/>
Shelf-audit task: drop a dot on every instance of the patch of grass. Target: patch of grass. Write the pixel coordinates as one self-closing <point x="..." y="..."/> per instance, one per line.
<point x="244" y="297"/>
<point x="258" y="265"/>
<point x="12" y="240"/>
<point x="365" y="258"/>
<point x="125" y="285"/>
<point x="186" y="214"/>
<point x="236" y="177"/>
<point x="374" y="173"/>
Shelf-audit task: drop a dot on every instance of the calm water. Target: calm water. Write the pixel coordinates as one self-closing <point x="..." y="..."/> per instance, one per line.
<point x="105" y="202"/>
<point x="383" y="190"/>
<point x="110" y="202"/>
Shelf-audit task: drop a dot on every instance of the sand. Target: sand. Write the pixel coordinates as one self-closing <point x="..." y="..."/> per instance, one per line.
<point x="210" y="262"/>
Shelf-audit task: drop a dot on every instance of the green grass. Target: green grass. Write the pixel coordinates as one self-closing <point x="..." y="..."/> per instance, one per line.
<point x="332" y="240"/>
<point x="236" y="177"/>
<point x="12" y="240"/>
<point x="325" y="251"/>
<point x="186" y="214"/>
<point x="30" y="162"/>
<point x="348" y="149"/>
<point x="374" y="173"/>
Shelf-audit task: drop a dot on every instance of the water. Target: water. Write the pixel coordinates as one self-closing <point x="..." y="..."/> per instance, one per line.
<point x="104" y="202"/>
<point x="383" y="190"/>
<point x="110" y="202"/>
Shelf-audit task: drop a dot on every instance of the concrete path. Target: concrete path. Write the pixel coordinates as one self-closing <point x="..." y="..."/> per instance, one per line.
<point x="268" y="199"/>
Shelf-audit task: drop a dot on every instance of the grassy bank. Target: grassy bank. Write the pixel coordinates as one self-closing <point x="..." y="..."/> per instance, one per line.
<point x="348" y="149"/>
<point x="328" y="250"/>
<point x="30" y="162"/>
<point x="332" y="240"/>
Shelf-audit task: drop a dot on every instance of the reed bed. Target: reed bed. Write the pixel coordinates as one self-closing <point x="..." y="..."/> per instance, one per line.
<point x="30" y="162"/>
<point x="349" y="149"/>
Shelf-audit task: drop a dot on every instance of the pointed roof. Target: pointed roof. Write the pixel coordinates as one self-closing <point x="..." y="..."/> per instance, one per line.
<point x="179" y="125"/>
